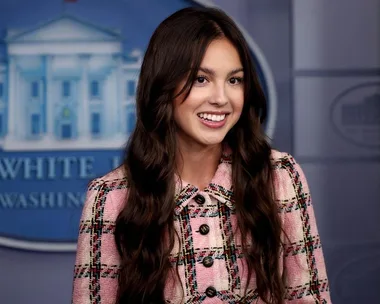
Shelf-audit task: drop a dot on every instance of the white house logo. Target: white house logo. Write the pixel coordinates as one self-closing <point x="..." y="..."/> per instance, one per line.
<point x="66" y="85"/>
<point x="356" y="114"/>
<point x="67" y="106"/>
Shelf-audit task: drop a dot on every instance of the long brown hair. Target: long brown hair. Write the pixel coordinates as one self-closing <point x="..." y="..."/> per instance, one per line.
<point x="145" y="233"/>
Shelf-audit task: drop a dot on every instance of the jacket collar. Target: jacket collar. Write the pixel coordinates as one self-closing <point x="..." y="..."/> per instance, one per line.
<point x="220" y="186"/>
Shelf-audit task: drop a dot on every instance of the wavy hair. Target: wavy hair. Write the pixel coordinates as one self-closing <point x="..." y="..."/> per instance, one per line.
<point x="145" y="233"/>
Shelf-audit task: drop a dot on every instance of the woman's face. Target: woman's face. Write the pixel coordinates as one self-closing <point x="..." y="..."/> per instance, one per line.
<point x="216" y="99"/>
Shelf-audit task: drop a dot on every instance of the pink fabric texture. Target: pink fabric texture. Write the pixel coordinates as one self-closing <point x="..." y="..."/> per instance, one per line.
<point x="211" y="265"/>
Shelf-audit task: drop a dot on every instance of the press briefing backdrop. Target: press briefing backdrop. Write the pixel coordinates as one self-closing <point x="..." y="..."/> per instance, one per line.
<point x="68" y="75"/>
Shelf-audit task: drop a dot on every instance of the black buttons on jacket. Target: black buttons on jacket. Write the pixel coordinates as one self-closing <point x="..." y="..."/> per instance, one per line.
<point x="204" y="229"/>
<point x="199" y="199"/>
<point x="208" y="261"/>
<point x="210" y="292"/>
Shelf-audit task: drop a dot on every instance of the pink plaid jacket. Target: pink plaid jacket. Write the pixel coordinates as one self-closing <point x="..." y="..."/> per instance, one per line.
<point x="211" y="269"/>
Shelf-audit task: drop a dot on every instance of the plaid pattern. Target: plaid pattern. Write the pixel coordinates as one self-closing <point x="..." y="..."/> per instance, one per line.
<point x="302" y="261"/>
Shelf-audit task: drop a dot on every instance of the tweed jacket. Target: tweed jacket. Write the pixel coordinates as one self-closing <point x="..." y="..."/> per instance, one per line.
<point x="209" y="257"/>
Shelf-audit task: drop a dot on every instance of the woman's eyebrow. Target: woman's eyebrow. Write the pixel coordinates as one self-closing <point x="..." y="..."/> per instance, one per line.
<point x="212" y="72"/>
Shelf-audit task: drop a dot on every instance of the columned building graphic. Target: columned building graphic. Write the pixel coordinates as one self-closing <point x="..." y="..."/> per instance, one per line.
<point x="66" y="84"/>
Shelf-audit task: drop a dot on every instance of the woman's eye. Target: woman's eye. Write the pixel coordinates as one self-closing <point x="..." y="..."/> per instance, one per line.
<point x="235" y="80"/>
<point x="201" y="79"/>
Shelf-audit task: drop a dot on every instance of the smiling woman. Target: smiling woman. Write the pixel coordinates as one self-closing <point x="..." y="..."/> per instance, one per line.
<point x="214" y="104"/>
<point x="203" y="210"/>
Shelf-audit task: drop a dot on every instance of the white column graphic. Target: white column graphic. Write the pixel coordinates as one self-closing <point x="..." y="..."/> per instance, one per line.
<point x="12" y="100"/>
<point x="119" y="109"/>
<point x="111" y="106"/>
<point x="22" y="115"/>
<point x="49" y="99"/>
<point x="107" y="107"/>
<point x="85" y="131"/>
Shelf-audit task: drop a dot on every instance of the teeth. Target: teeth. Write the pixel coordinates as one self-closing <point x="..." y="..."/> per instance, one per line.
<point x="212" y="117"/>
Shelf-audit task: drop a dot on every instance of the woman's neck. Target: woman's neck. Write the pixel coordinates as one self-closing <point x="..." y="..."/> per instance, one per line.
<point x="197" y="164"/>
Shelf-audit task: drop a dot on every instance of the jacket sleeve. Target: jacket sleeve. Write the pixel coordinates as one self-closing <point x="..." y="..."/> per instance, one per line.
<point x="304" y="269"/>
<point x="95" y="270"/>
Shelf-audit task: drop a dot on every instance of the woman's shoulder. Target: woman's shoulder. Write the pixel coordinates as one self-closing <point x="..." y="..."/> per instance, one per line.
<point x="289" y="178"/>
<point x="112" y="178"/>
<point x="279" y="156"/>
<point x="106" y="195"/>
<point x="284" y="160"/>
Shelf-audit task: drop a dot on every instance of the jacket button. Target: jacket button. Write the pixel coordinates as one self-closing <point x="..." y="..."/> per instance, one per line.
<point x="210" y="292"/>
<point x="204" y="229"/>
<point x="208" y="261"/>
<point x="199" y="199"/>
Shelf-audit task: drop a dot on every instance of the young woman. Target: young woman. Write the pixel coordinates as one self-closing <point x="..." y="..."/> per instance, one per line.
<point x="203" y="210"/>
